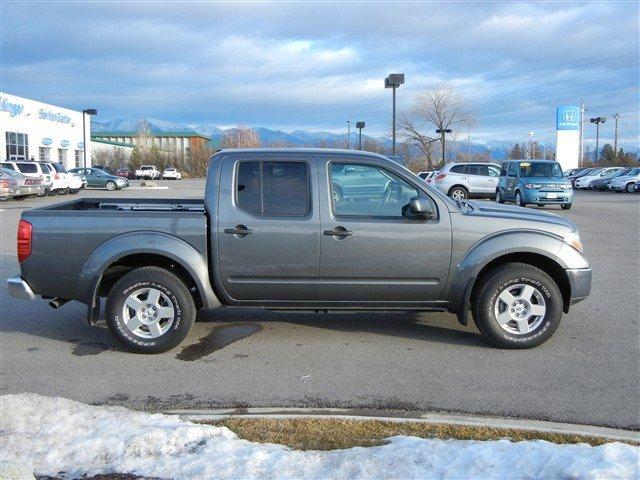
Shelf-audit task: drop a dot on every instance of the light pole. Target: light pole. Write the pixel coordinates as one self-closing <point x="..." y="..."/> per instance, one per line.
<point x="86" y="111"/>
<point x="442" y="131"/>
<point x="348" y="134"/>
<point x="597" y="121"/>
<point x="394" y="81"/>
<point x="530" y="145"/>
<point x="359" y="126"/>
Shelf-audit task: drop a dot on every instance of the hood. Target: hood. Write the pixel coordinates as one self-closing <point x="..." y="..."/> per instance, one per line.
<point x="522" y="217"/>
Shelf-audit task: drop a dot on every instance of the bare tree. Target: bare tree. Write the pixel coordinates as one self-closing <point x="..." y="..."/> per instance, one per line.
<point x="240" y="137"/>
<point x="439" y="108"/>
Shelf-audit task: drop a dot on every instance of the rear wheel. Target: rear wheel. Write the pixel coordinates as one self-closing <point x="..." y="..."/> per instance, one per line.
<point x="74" y="191"/>
<point x="150" y="310"/>
<point x="499" y="198"/>
<point x="517" y="306"/>
<point x="459" y="193"/>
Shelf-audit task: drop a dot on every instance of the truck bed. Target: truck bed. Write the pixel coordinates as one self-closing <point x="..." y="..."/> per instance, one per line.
<point x="129" y="204"/>
<point x="67" y="234"/>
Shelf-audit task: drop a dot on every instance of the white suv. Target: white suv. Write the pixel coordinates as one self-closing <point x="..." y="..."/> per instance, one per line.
<point x="32" y="170"/>
<point x="465" y="180"/>
<point x="148" y="171"/>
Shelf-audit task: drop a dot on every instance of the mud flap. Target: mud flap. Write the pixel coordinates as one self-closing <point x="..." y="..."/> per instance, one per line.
<point x="93" y="312"/>
<point x="465" y="305"/>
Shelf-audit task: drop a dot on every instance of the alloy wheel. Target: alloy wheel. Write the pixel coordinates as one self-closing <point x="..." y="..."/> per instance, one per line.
<point x="148" y="313"/>
<point x="520" y="309"/>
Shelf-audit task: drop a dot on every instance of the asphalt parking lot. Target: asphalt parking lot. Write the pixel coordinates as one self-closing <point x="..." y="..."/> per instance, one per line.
<point x="587" y="373"/>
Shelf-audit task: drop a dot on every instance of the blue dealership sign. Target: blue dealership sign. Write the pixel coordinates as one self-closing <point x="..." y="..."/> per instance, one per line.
<point x="568" y="117"/>
<point x="47" y="141"/>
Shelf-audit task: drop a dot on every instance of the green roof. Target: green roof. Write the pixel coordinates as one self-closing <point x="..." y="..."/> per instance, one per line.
<point x="153" y="134"/>
<point x="109" y="142"/>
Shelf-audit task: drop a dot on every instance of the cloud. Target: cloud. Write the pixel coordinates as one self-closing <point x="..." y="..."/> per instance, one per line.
<point x="287" y="65"/>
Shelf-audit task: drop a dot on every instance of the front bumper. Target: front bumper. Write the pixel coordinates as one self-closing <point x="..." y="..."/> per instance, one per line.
<point x="18" y="288"/>
<point x="580" y="283"/>
<point x="542" y="197"/>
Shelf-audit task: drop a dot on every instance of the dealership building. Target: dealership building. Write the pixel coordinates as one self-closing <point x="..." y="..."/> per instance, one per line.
<point x="33" y="130"/>
<point x="181" y="143"/>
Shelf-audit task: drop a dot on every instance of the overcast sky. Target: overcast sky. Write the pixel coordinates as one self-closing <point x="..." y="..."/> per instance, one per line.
<point x="316" y="65"/>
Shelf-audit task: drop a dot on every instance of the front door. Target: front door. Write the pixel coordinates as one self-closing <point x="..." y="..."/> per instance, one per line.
<point x="373" y="252"/>
<point x="268" y="230"/>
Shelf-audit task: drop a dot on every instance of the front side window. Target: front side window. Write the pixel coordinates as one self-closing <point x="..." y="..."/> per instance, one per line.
<point x="513" y="170"/>
<point x="369" y="191"/>
<point x="273" y="188"/>
<point x="479" y="170"/>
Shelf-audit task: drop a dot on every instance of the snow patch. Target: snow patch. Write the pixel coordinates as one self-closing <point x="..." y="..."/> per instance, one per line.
<point x="53" y="435"/>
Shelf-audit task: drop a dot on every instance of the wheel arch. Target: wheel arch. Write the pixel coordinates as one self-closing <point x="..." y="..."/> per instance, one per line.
<point x="118" y="256"/>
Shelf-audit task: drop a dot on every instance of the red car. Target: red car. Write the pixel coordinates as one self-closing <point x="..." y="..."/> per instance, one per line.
<point x="123" y="172"/>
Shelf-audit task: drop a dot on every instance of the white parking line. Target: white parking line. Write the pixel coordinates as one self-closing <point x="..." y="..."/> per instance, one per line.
<point x="148" y="188"/>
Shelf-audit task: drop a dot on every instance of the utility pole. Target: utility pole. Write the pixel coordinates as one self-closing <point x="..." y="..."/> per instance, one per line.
<point x="530" y="134"/>
<point x="581" y="149"/>
<point x="348" y="134"/>
<point x="469" y="142"/>
<point x="442" y="131"/>
<point x="615" y="137"/>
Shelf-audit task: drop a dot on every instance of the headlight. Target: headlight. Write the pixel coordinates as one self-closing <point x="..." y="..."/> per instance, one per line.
<point x="533" y="185"/>
<point x="573" y="239"/>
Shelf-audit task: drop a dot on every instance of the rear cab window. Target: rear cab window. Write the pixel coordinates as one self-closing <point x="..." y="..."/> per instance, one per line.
<point x="273" y="188"/>
<point x="27" y="167"/>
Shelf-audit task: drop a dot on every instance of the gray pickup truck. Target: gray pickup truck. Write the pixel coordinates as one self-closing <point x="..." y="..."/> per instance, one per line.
<point x="303" y="229"/>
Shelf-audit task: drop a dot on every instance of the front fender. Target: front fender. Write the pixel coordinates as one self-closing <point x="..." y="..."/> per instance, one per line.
<point x="504" y="243"/>
<point x="145" y="242"/>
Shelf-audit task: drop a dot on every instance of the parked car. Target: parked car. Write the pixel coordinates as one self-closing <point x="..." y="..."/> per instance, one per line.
<point x="63" y="181"/>
<point x="25" y="186"/>
<point x="8" y="185"/>
<point x="148" y="172"/>
<point x="99" y="179"/>
<point x="602" y="184"/>
<point x="540" y="182"/>
<point x="576" y="175"/>
<point x="465" y="180"/>
<point x="171" y="174"/>
<point x="625" y="182"/>
<point x="105" y="168"/>
<point x="271" y="234"/>
<point x="33" y="170"/>
<point x="585" y="181"/>
<point x="428" y="176"/>
<point x="124" y="173"/>
<point x="573" y="171"/>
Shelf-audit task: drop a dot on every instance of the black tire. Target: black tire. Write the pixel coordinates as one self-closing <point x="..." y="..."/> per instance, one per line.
<point x="518" y="199"/>
<point x="499" y="198"/>
<point x="630" y="188"/>
<point x="501" y="278"/>
<point x="111" y="185"/>
<point x="169" y="285"/>
<point x="566" y="206"/>
<point x="74" y="191"/>
<point x="20" y="197"/>
<point x="459" y="192"/>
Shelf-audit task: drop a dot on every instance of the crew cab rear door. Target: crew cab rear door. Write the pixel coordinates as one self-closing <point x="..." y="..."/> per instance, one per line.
<point x="268" y="229"/>
<point x="373" y="254"/>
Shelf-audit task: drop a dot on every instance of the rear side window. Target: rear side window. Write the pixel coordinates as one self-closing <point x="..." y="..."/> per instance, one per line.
<point x="273" y="188"/>
<point x="464" y="169"/>
<point x="27" y="167"/>
<point x="59" y="167"/>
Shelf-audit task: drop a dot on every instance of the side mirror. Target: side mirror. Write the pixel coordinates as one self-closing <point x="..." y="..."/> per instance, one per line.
<point x="421" y="207"/>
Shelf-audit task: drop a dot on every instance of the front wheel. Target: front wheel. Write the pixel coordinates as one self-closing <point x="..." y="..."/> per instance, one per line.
<point x="566" y="206"/>
<point x="519" y="202"/>
<point x="630" y="188"/>
<point x="150" y="310"/>
<point x="517" y="306"/>
<point x="110" y="185"/>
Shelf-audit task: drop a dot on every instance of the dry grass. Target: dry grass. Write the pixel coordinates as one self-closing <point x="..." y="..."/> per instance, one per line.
<point x="333" y="434"/>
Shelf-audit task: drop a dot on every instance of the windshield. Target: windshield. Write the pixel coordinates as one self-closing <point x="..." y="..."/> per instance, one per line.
<point x="540" y="169"/>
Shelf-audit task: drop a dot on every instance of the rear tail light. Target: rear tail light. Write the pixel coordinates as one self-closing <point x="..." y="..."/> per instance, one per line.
<point x="4" y="184"/>
<point x="440" y="176"/>
<point x="56" y="176"/>
<point x="25" y="231"/>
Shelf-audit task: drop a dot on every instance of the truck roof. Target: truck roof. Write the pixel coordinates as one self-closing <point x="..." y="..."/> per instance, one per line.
<point x="314" y="150"/>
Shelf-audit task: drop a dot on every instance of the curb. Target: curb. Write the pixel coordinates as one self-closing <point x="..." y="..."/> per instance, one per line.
<point x="429" y="418"/>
